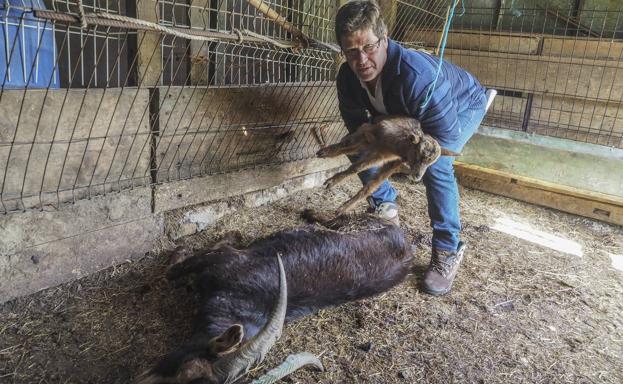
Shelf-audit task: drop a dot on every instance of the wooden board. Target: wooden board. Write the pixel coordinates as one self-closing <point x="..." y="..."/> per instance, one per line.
<point x="53" y="141"/>
<point x="583" y="48"/>
<point x="478" y="41"/>
<point x="597" y="80"/>
<point x="590" y="204"/>
<point x="149" y="53"/>
<point x="223" y="128"/>
<point x="522" y="43"/>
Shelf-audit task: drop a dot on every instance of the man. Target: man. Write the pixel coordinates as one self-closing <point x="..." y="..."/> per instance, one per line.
<point x="381" y="77"/>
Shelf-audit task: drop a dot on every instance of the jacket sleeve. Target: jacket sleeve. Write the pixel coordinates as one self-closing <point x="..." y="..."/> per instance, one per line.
<point x="439" y="117"/>
<point x="353" y="111"/>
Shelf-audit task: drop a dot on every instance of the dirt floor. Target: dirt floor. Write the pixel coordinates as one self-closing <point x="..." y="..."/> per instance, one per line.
<point x="519" y="311"/>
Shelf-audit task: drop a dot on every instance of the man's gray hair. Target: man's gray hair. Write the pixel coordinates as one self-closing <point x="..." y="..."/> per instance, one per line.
<point x="359" y="15"/>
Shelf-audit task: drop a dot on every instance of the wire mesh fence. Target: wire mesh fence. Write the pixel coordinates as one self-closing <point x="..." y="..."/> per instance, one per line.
<point x="556" y="65"/>
<point x="102" y="96"/>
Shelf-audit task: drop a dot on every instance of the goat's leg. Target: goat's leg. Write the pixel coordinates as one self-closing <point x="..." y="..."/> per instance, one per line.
<point x="384" y="172"/>
<point x="348" y="147"/>
<point x="366" y="162"/>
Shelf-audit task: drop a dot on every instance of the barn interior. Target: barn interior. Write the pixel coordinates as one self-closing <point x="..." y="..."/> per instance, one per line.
<point x="130" y="127"/>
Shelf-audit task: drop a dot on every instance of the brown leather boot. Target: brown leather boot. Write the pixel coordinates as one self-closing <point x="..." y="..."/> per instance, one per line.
<point x="442" y="269"/>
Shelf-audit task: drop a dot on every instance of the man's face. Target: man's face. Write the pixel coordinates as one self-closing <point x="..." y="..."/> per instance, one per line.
<point x="365" y="53"/>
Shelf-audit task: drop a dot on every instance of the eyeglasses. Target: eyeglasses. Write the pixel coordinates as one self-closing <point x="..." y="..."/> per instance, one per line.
<point x="368" y="49"/>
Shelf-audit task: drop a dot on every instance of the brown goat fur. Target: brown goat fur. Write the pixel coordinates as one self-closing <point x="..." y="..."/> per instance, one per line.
<point x="389" y="143"/>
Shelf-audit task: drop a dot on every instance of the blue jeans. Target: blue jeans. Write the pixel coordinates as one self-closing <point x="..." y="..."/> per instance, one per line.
<point x="442" y="191"/>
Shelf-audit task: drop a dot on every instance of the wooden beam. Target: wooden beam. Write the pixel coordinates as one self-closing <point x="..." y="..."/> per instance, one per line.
<point x="590" y="79"/>
<point x="149" y="53"/>
<point x="522" y="43"/>
<point x="595" y="205"/>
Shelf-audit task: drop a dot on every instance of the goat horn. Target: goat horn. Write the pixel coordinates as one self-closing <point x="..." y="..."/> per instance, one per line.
<point x="230" y="367"/>
<point x="291" y="364"/>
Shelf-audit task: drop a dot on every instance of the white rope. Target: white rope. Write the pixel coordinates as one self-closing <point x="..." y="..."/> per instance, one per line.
<point x="155" y="26"/>
<point x="266" y="39"/>
<point x="83" y="20"/>
<point x="239" y="32"/>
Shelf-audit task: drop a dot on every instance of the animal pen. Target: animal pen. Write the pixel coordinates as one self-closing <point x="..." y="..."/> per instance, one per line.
<point x="119" y="118"/>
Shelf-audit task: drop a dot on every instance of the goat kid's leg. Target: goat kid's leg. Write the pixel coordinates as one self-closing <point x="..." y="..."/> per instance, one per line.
<point x="366" y="162"/>
<point x="384" y="172"/>
<point x="334" y="150"/>
<point x="349" y="145"/>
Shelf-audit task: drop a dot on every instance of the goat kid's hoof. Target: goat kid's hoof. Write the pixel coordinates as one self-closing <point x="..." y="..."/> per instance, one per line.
<point x="322" y="153"/>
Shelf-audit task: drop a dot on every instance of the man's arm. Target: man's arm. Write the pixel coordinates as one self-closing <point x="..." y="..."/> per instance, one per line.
<point x="439" y="118"/>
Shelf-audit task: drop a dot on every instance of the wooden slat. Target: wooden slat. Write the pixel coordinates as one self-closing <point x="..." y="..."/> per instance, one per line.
<point x="591" y="204"/>
<point x="522" y="43"/>
<point x="72" y="138"/>
<point x="582" y="48"/>
<point x="149" y="52"/>
<point x="478" y="41"/>
<point x="221" y="128"/>
<point x="597" y="80"/>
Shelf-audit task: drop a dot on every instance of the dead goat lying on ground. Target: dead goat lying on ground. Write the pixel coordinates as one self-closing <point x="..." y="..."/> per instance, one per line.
<point x="222" y="359"/>
<point x="341" y="260"/>
<point x="390" y="142"/>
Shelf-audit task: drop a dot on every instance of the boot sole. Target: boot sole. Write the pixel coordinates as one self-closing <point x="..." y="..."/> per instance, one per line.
<point x="437" y="293"/>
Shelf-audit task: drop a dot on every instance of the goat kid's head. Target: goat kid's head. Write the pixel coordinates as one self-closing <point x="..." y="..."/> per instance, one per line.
<point x="222" y="360"/>
<point x="427" y="152"/>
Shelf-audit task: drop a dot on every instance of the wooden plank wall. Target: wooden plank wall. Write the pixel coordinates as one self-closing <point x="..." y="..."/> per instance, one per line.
<point x="576" y="84"/>
<point x="203" y="130"/>
<point x="65" y="145"/>
<point x="71" y="144"/>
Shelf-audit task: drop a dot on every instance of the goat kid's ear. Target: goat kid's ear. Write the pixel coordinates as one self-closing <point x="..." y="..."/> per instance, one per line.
<point x="447" y="152"/>
<point x="415" y="139"/>
<point x="227" y="342"/>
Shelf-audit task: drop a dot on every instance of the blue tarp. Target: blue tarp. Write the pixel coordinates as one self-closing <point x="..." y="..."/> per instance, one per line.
<point x="27" y="47"/>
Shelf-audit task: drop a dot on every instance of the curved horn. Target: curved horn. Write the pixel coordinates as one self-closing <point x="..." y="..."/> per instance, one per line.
<point x="230" y="367"/>
<point x="292" y="363"/>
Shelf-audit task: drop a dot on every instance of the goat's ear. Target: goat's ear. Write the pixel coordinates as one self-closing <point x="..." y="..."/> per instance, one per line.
<point x="414" y="138"/>
<point x="447" y="152"/>
<point x="227" y="342"/>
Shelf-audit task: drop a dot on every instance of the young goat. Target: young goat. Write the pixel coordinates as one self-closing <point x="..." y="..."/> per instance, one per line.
<point x="389" y="143"/>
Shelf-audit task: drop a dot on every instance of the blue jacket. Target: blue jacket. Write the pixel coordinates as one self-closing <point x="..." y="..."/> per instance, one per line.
<point x="405" y="79"/>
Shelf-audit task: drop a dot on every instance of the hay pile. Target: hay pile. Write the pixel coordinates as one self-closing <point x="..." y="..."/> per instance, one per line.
<point x="519" y="312"/>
